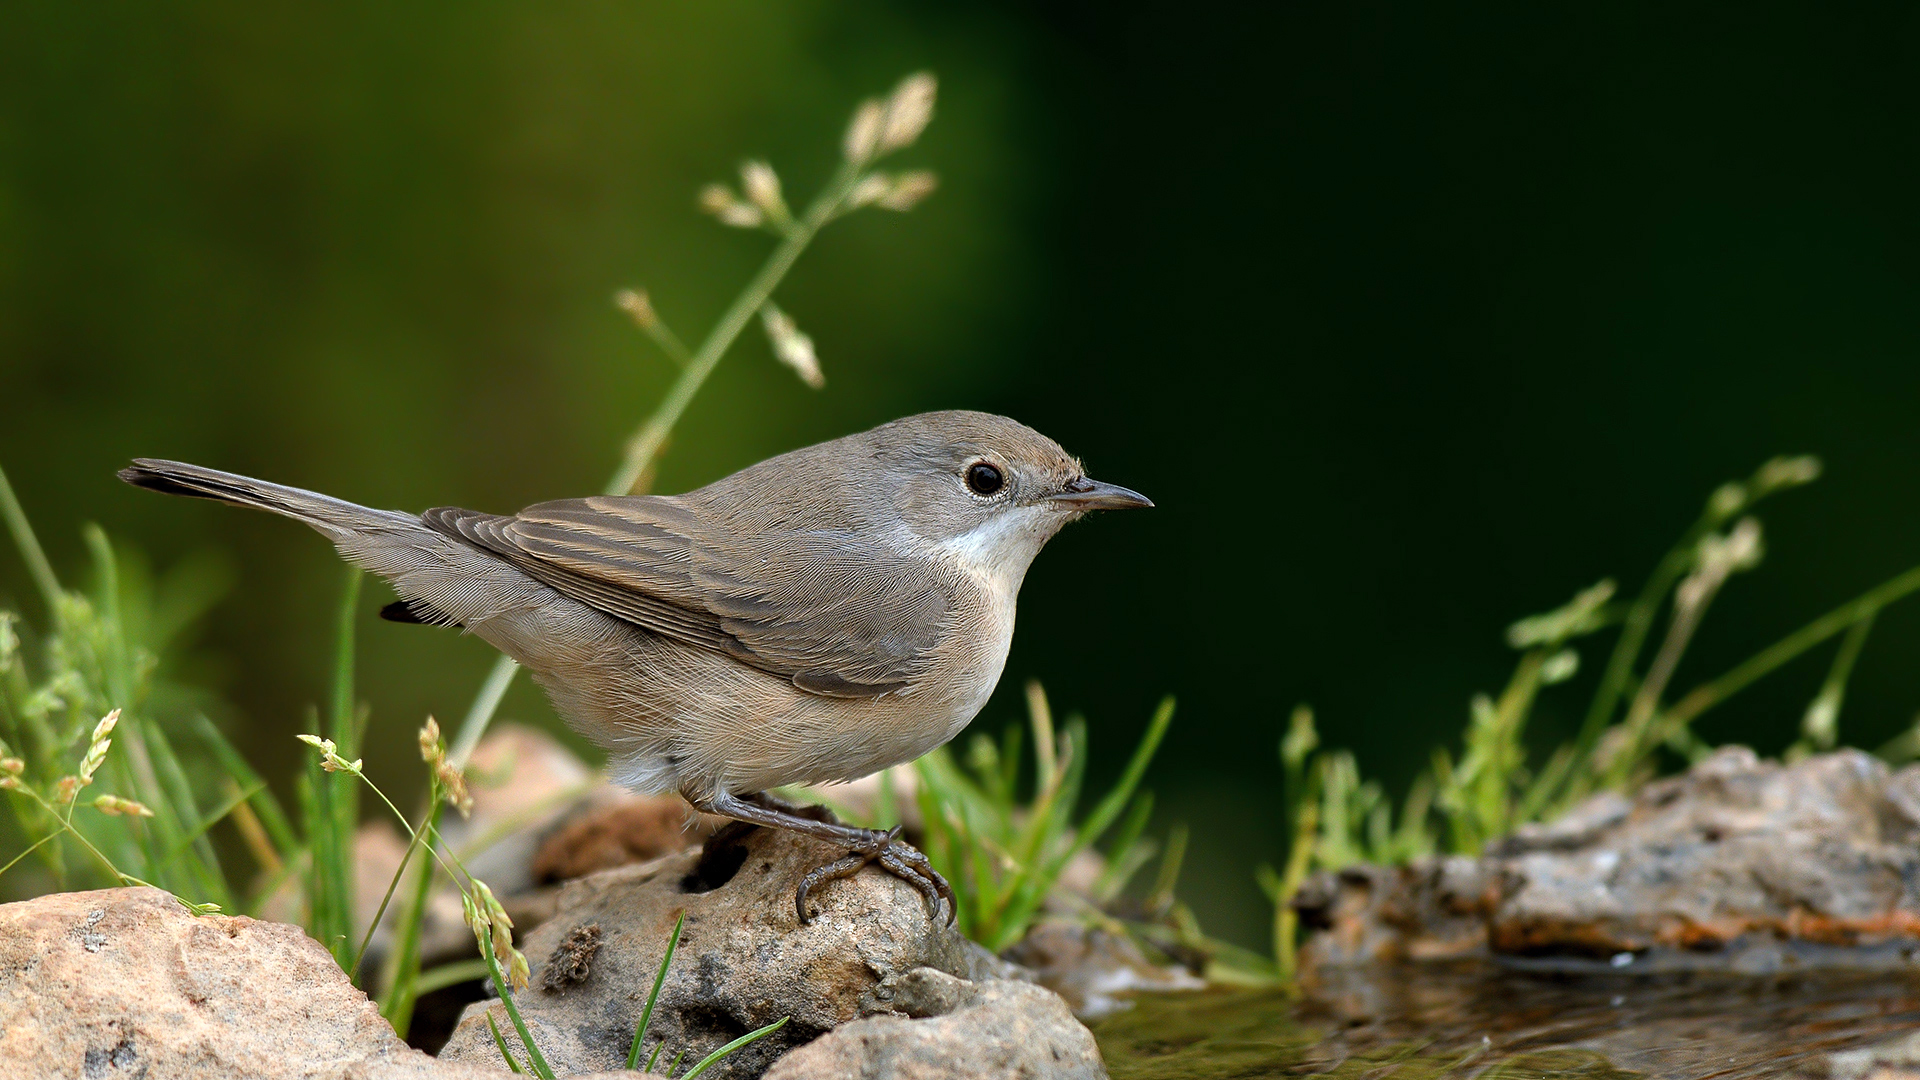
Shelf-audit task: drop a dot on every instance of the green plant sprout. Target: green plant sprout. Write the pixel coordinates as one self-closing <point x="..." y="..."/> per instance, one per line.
<point x="1004" y="857"/>
<point x="1335" y="819"/>
<point x="653" y="995"/>
<point x="878" y="129"/>
<point x="102" y="656"/>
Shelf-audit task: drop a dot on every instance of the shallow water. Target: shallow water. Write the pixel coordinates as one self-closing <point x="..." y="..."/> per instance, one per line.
<point x="1484" y="1021"/>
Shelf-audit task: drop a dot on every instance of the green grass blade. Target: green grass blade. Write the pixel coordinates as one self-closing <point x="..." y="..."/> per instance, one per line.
<point x="445" y="975"/>
<point x="31" y="553"/>
<point x="743" y="1041"/>
<point x="272" y="817"/>
<point x="501" y="1042"/>
<point x="1110" y="807"/>
<point x="401" y="979"/>
<point x="1709" y="694"/>
<point x="1120" y="861"/>
<point x="653" y="996"/>
<point x="535" y="1059"/>
<point x="196" y="854"/>
<point x="336" y="796"/>
<point x="214" y="817"/>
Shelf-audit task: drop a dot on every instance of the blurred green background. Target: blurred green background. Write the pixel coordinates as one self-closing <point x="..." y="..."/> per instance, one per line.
<point x="1412" y="320"/>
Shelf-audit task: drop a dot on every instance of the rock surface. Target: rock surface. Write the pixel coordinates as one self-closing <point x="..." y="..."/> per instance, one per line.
<point x="1738" y="863"/>
<point x="1896" y="1060"/>
<point x="127" y="983"/>
<point x="942" y="1028"/>
<point x="1090" y="967"/>
<point x="744" y="959"/>
<point x="613" y="828"/>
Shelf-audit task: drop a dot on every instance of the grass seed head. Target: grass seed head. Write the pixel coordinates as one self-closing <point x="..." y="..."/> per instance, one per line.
<point x="636" y="304"/>
<point x="907" y="190"/>
<point x="908" y="112"/>
<point x="722" y="203"/>
<point x="330" y="759"/>
<point x="762" y="186"/>
<point x="97" y="746"/>
<point x="863" y="131"/>
<point x="792" y="347"/>
<point x="119" y="807"/>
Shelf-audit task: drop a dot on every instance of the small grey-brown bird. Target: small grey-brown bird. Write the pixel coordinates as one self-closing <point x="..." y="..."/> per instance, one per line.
<point x="817" y="617"/>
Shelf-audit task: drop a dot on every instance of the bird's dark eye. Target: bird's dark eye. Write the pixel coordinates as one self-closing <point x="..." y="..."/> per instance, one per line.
<point x="984" y="479"/>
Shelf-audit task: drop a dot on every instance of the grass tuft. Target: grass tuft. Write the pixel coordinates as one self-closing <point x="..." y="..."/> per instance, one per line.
<point x="1631" y="729"/>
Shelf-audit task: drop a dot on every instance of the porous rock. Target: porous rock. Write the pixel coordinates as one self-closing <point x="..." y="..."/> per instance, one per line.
<point x="1739" y="862"/>
<point x="744" y="960"/>
<point x="125" y="983"/>
<point x="943" y="1028"/>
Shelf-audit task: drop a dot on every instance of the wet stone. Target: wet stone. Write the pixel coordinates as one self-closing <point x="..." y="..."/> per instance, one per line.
<point x="1737" y="864"/>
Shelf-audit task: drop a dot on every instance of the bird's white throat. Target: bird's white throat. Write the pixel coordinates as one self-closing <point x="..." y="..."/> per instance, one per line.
<point x="1001" y="548"/>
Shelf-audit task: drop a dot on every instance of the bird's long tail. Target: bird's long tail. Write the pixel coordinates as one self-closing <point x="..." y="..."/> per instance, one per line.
<point x="336" y="518"/>
<point x="440" y="578"/>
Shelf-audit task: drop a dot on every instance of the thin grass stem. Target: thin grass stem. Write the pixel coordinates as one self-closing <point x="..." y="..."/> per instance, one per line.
<point x="31" y="552"/>
<point x="501" y="1042"/>
<point x="651" y="436"/>
<point x="445" y="975"/>
<point x="1707" y="695"/>
<point x="535" y="1059"/>
<point x="402" y="982"/>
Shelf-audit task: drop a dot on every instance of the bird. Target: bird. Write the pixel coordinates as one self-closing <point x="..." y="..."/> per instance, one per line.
<point x="817" y="617"/>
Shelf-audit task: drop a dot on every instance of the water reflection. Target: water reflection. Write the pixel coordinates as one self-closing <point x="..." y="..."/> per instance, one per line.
<point x="1484" y="1021"/>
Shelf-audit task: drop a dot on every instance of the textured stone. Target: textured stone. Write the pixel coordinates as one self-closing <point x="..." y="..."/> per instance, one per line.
<point x="1738" y="862"/>
<point x="618" y="828"/>
<point x="127" y="983"/>
<point x="943" y="1028"/>
<point x="744" y="959"/>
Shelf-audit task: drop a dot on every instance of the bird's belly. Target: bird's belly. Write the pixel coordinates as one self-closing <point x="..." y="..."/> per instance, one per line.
<point x="685" y="718"/>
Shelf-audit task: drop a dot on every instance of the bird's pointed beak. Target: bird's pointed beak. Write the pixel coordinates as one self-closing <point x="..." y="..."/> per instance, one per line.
<point x="1082" y="493"/>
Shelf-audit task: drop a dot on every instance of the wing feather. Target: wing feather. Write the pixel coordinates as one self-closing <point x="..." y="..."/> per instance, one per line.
<point x="839" y="615"/>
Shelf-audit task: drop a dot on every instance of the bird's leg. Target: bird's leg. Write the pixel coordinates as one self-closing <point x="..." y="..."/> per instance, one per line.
<point x="898" y="857"/>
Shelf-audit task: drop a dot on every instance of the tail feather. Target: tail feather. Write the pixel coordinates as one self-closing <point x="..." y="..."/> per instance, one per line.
<point x="330" y="515"/>
<point x="442" y="580"/>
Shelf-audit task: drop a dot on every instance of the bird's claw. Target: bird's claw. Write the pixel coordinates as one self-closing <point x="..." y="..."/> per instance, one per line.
<point x="898" y="858"/>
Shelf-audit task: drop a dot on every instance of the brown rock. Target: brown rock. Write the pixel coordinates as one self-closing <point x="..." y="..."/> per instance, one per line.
<point x="1735" y="850"/>
<point x="1433" y="908"/>
<point x="127" y="983"/>
<point x="744" y="959"/>
<point x="1738" y="863"/>
<point x="944" y="1028"/>
<point x="620" y="830"/>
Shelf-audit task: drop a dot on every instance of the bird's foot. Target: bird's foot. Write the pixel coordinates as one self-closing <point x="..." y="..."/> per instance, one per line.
<point x="894" y="855"/>
<point x="863" y="846"/>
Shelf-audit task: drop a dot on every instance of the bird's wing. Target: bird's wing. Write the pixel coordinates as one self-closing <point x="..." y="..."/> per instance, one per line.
<point x="838" y="615"/>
